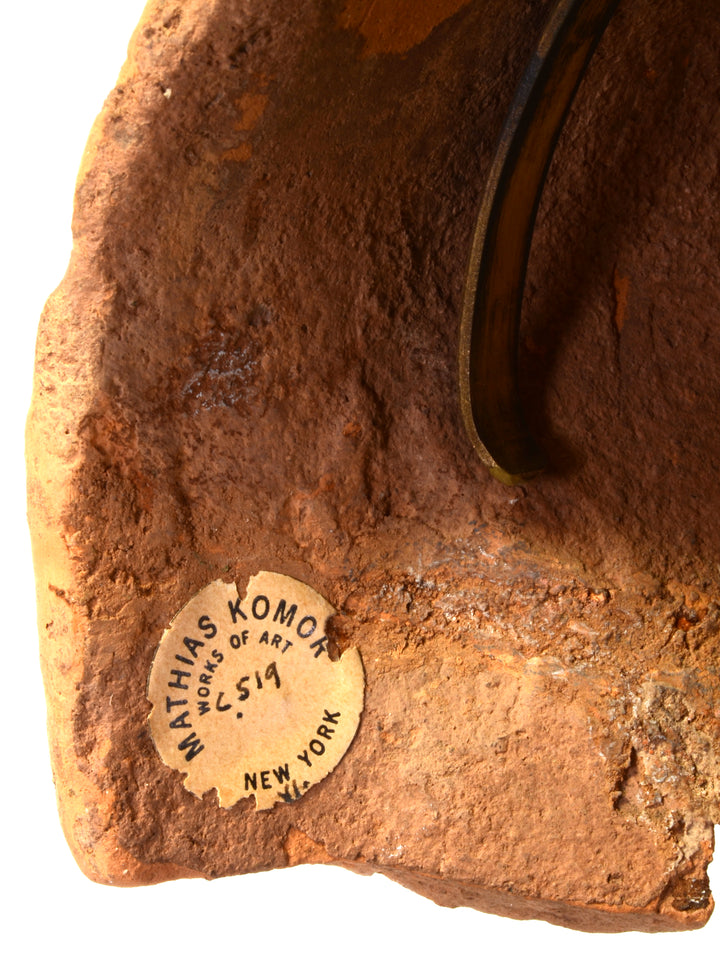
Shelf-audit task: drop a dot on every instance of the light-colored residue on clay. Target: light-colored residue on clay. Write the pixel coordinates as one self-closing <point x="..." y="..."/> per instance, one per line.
<point x="251" y="106"/>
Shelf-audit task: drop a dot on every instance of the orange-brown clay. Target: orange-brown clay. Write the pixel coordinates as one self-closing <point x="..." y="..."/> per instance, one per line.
<point x="251" y="365"/>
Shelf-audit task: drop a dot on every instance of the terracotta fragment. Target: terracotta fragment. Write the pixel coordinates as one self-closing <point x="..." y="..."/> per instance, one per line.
<point x="251" y="365"/>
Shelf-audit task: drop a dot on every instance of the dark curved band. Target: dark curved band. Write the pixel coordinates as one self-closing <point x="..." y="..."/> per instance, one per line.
<point x="496" y="274"/>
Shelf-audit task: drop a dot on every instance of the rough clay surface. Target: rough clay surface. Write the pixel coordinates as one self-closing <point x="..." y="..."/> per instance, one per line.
<point x="251" y="364"/>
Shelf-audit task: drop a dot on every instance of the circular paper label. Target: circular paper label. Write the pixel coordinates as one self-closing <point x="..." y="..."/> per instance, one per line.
<point x="245" y="697"/>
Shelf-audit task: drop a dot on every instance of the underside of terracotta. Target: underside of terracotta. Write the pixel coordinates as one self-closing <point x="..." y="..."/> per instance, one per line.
<point x="251" y="365"/>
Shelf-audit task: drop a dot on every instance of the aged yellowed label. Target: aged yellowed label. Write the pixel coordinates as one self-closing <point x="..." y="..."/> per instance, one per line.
<point x="245" y="697"/>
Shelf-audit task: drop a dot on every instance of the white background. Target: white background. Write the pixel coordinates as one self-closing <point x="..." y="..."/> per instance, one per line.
<point x="59" y="61"/>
